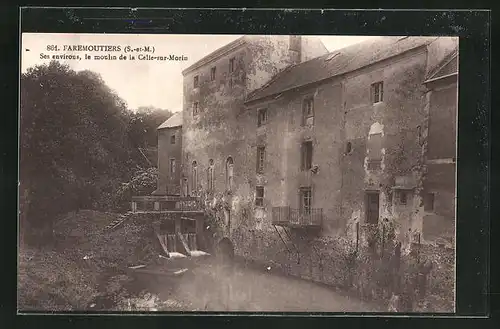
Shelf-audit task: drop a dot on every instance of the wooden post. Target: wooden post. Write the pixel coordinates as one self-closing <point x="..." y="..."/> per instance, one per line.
<point x="134" y="206"/>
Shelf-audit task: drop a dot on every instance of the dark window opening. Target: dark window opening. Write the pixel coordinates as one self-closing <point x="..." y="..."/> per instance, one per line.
<point x="429" y="202"/>
<point x="213" y="71"/>
<point x="196" y="109"/>
<point x="172" y="139"/>
<point x="229" y="173"/>
<point x="261" y="156"/>
<point x="196" y="82"/>
<point x="259" y="196"/>
<point x="372" y="207"/>
<point x="232" y="65"/>
<point x="194" y="177"/>
<point x="306" y="153"/>
<point x="305" y="200"/>
<point x="210" y="178"/>
<point x="348" y="148"/>
<point x="185" y="187"/>
<point x="378" y="92"/>
<point x="403" y="197"/>
<point x="308" y="111"/>
<point x="261" y="117"/>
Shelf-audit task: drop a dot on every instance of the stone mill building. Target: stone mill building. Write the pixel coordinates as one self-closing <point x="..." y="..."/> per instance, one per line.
<point x="300" y="143"/>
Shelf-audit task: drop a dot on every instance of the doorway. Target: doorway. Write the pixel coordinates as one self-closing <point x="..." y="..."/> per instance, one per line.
<point x="372" y="206"/>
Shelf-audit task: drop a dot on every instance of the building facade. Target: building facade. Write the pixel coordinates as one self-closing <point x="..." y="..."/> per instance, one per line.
<point x="339" y="144"/>
<point x="170" y="156"/>
<point x="439" y="184"/>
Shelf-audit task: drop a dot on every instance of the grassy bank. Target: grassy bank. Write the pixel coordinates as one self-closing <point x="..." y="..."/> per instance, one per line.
<point x="83" y="265"/>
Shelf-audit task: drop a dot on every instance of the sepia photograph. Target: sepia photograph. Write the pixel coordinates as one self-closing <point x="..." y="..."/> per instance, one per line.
<point x="237" y="173"/>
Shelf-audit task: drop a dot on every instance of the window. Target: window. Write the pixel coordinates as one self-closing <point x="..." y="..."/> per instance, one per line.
<point x="259" y="196"/>
<point x="295" y="42"/>
<point x="261" y="156"/>
<point x="210" y="178"/>
<point x="372" y="204"/>
<point x="348" y="148"/>
<point x="232" y="65"/>
<point x="185" y="186"/>
<point x="429" y="202"/>
<point x="403" y="197"/>
<point x="194" y="177"/>
<point x="229" y="173"/>
<point x="196" y="109"/>
<point x="306" y="154"/>
<point x="374" y="148"/>
<point x="305" y="200"/>
<point x="172" y="139"/>
<point x="261" y="117"/>
<point x="308" y="111"/>
<point x="172" y="167"/>
<point x="213" y="73"/>
<point x="196" y="82"/>
<point x="378" y="92"/>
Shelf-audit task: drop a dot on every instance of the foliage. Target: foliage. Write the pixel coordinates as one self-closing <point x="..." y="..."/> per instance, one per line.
<point x="143" y="182"/>
<point x="78" y="142"/>
<point x="73" y="145"/>
<point x="143" y="124"/>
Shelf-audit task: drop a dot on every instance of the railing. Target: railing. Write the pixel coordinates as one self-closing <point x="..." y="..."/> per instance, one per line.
<point x="297" y="217"/>
<point x="167" y="203"/>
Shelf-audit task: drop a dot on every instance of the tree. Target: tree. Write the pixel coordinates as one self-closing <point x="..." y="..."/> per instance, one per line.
<point x="144" y="123"/>
<point x="74" y="142"/>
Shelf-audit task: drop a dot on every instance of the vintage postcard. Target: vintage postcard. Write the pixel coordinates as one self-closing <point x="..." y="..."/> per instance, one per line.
<point x="254" y="173"/>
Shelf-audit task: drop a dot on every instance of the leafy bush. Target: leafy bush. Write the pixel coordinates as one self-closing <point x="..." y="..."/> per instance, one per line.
<point x="143" y="182"/>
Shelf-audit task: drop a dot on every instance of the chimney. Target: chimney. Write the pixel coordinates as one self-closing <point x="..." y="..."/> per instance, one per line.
<point x="295" y="48"/>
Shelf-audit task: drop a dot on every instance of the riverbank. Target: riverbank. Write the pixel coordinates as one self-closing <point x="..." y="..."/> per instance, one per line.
<point x="84" y="267"/>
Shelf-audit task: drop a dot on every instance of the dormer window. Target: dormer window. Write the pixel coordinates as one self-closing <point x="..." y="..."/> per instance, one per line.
<point x="196" y="81"/>
<point x="213" y="72"/>
<point x="232" y="65"/>
<point x="308" y="111"/>
<point x="377" y="92"/>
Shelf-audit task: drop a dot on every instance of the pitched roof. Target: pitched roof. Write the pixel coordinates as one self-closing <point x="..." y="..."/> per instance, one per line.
<point x="448" y="66"/>
<point x="174" y="121"/>
<point x="339" y="62"/>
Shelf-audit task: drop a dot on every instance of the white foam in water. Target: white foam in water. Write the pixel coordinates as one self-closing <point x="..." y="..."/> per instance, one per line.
<point x="176" y="255"/>
<point x="198" y="253"/>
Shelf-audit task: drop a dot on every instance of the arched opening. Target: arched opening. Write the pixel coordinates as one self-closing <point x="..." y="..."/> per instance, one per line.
<point x="210" y="174"/>
<point x="229" y="173"/>
<point x="348" y="148"/>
